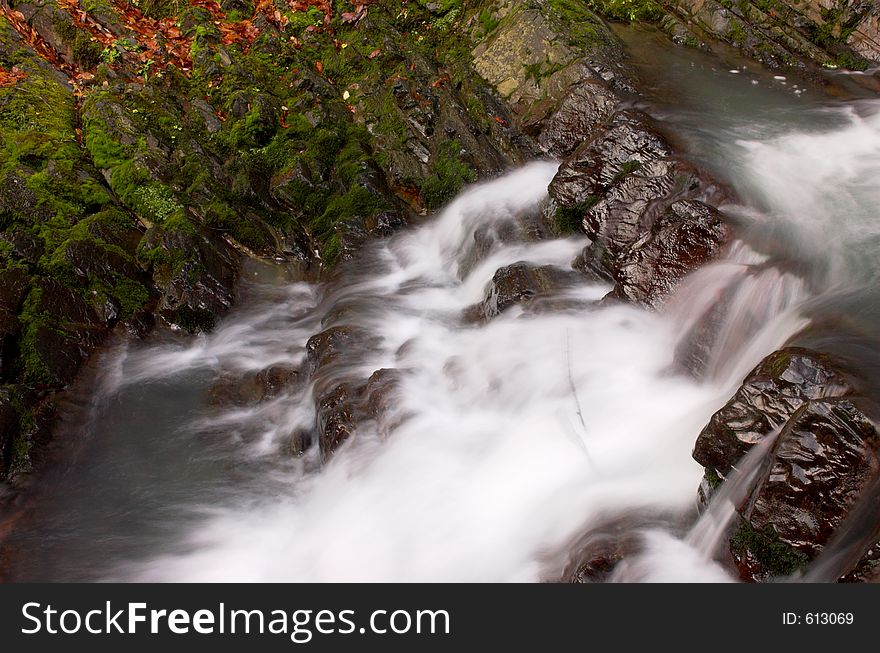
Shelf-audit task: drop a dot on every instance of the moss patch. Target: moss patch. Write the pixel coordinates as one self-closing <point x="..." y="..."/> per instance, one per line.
<point x="775" y="557"/>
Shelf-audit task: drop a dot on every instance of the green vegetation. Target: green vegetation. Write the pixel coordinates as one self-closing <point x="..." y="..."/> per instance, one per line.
<point x="628" y="11"/>
<point x="450" y="174"/>
<point x="570" y="219"/>
<point x="776" y="558"/>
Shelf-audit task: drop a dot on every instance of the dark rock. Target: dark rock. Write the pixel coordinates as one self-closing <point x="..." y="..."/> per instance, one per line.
<point x="336" y="416"/>
<point x="25" y="246"/>
<point x="9" y="429"/>
<point x="328" y="346"/>
<point x="14" y="285"/>
<point x="686" y="236"/>
<point x="379" y="394"/>
<point x="521" y="283"/>
<point x="629" y="143"/>
<point x="88" y="261"/>
<point x="584" y="109"/>
<point x="767" y="399"/>
<point x="254" y="387"/>
<point x="349" y="405"/>
<point x="9" y="331"/>
<point x="593" y="263"/>
<point x="823" y="458"/>
<point x="18" y="202"/>
<point x="643" y="208"/>
<point x="385" y="223"/>
<point x="199" y="290"/>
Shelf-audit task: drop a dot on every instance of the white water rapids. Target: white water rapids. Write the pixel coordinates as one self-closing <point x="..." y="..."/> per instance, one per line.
<point x="511" y="440"/>
<point x="492" y="475"/>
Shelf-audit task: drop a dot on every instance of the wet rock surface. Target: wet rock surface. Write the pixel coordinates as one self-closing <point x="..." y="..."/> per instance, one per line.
<point x="769" y="396"/>
<point x="648" y="212"/>
<point x="826" y="452"/>
<point x="782" y="33"/>
<point x="525" y="285"/>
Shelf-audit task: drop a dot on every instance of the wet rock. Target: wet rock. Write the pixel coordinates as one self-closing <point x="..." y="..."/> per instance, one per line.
<point x="379" y="396"/>
<point x="253" y="388"/>
<point x="824" y="456"/>
<point x="522" y="283"/>
<point x="336" y="417"/>
<point x="18" y="202"/>
<point x="686" y="236"/>
<point x="25" y="246"/>
<point x="589" y="104"/>
<point x="769" y="396"/>
<point x="645" y="210"/>
<point x="88" y="261"/>
<point x="385" y="223"/>
<point x="330" y="345"/>
<point x="14" y="285"/>
<point x="195" y="293"/>
<point x="629" y="144"/>
<point x="784" y="34"/>
<point x="351" y="404"/>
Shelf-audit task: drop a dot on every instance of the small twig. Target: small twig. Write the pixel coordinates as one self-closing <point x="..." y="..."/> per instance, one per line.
<point x="577" y="401"/>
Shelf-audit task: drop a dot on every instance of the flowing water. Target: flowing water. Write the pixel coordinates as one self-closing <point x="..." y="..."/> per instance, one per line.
<point x="509" y="440"/>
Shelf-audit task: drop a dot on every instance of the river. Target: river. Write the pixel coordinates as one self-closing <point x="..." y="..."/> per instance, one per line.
<point x="510" y="441"/>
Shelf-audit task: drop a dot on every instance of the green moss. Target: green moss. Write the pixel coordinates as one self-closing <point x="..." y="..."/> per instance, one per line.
<point x="32" y="319"/>
<point x="224" y="218"/>
<point x="851" y="61"/>
<point x="570" y="219"/>
<point x="779" y="363"/>
<point x="155" y="202"/>
<point x="712" y="478"/>
<point x="488" y="22"/>
<point x="736" y="34"/>
<point x="159" y="8"/>
<point x="86" y="52"/>
<point x="776" y="558"/>
<point x="626" y="169"/>
<point x="450" y="174"/>
<point x="628" y="11"/>
<point x="132" y="296"/>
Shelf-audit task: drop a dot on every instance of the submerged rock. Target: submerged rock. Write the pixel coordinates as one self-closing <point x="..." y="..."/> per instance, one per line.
<point x="351" y="405"/>
<point x="254" y="387"/>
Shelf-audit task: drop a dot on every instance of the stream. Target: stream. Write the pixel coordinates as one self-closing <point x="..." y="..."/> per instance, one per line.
<point x="508" y="440"/>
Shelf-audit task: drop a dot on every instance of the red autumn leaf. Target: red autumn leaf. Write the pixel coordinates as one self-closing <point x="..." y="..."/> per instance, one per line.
<point x="319" y="67"/>
<point x="375" y="53"/>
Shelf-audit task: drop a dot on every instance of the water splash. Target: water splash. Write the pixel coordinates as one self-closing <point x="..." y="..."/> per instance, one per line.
<point x="521" y="432"/>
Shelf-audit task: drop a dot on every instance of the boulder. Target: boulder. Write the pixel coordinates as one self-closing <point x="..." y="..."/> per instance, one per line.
<point x="522" y="284"/>
<point x="769" y="396"/>
<point x="686" y="236"/>
<point x="824" y="459"/>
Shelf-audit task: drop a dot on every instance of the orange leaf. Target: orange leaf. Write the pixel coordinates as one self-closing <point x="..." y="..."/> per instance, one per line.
<point x="319" y="67"/>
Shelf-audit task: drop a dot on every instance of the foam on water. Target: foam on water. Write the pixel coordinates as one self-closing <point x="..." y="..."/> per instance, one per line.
<point x="518" y="433"/>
